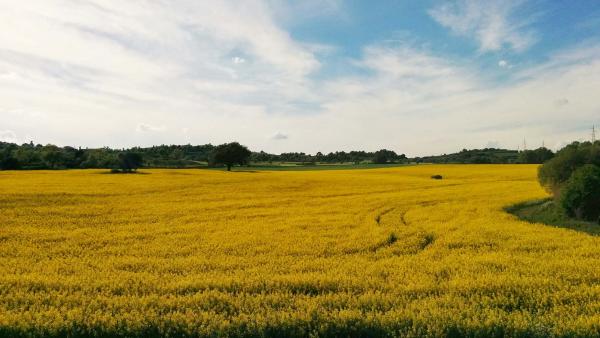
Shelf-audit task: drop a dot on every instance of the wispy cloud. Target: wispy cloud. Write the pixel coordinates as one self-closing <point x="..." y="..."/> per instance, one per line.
<point x="492" y="23"/>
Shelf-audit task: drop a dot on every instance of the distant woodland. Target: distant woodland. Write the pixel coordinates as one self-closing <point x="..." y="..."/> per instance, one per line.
<point x="30" y="156"/>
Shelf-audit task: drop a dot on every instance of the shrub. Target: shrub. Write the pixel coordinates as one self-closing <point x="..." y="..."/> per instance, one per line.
<point x="580" y="196"/>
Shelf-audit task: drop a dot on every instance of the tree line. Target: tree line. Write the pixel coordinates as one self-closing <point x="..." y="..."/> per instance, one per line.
<point x="381" y="156"/>
<point x="32" y="156"/>
<point x="491" y="156"/>
<point x="36" y="156"/>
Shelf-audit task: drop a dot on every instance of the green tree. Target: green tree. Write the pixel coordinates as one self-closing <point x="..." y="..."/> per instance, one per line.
<point x="537" y="156"/>
<point x="230" y="154"/>
<point x="555" y="172"/>
<point x="129" y="161"/>
<point x="53" y="156"/>
<point x="384" y="156"/>
<point x="580" y="196"/>
<point x="8" y="161"/>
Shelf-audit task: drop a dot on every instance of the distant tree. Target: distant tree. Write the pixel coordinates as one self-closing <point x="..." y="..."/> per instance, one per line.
<point x="487" y="155"/>
<point x="53" y="156"/>
<point x="129" y="161"/>
<point x="29" y="156"/>
<point x="537" y="156"/>
<point x="230" y="154"/>
<point x="8" y="161"/>
<point x="481" y="159"/>
<point x="580" y="196"/>
<point x="384" y="156"/>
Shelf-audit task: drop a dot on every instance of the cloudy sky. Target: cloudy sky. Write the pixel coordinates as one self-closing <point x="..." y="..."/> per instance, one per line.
<point x="418" y="77"/>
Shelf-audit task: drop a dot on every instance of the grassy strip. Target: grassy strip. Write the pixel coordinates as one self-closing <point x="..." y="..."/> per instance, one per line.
<point x="547" y="212"/>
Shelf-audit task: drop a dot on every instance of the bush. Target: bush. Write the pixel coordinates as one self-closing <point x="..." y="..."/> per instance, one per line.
<point x="580" y="197"/>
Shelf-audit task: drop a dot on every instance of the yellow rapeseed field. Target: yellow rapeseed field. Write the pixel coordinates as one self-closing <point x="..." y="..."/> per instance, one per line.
<point x="382" y="252"/>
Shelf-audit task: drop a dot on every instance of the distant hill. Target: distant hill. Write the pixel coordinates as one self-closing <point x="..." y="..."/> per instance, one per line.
<point x="487" y="155"/>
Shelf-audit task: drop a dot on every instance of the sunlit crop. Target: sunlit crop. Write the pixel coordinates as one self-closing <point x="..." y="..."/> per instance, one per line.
<point x="346" y="252"/>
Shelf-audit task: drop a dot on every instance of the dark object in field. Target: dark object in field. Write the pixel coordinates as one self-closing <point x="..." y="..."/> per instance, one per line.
<point x="436" y="177"/>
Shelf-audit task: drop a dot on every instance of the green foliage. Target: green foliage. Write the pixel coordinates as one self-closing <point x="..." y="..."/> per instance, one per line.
<point x="549" y="212"/>
<point x="474" y="156"/>
<point x="129" y="161"/>
<point x="8" y="161"/>
<point x="554" y="173"/>
<point x="537" y="156"/>
<point x="31" y="156"/>
<point x="52" y="156"/>
<point x="573" y="175"/>
<point x="353" y="156"/>
<point x="230" y="154"/>
<point x="384" y="156"/>
<point x="580" y="197"/>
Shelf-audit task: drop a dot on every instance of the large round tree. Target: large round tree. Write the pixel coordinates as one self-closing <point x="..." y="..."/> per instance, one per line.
<point x="230" y="154"/>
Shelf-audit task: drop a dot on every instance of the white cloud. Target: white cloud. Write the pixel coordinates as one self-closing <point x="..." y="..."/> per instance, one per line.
<point x="8" y="136"/>
<point x="144" y="128"/>
<point x="238" y="60"/>
<point x="505" y="64"/>
<point x="492" y="23"/>
<point x="279" y="136"/>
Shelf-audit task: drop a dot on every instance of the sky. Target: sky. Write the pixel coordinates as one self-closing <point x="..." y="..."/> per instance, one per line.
<point x="417" y="77"/>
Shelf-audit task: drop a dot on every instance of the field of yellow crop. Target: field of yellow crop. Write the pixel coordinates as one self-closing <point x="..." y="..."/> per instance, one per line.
<point x="383" y="252"/>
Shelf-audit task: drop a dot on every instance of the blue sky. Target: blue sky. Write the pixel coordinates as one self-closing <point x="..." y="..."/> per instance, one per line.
<point x="418" y="77"/>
